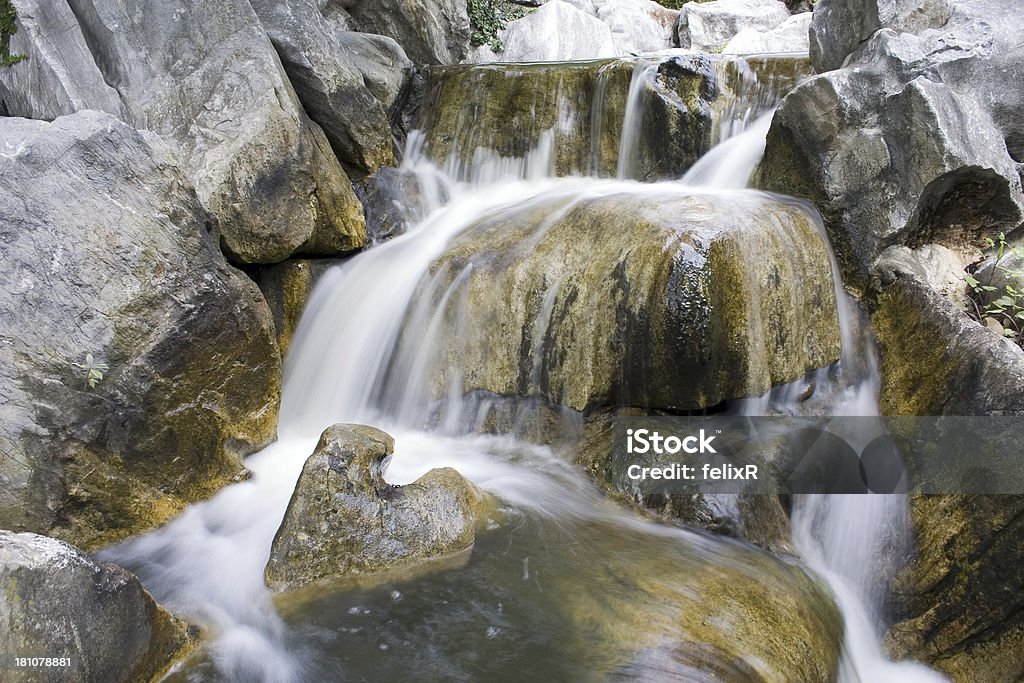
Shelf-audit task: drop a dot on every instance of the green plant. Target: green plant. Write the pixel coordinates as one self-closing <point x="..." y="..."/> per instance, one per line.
<point x="8" y="28"/>
<point x="1003" y="303"/>
<point x="488" y="17"/>
<point x="93" y="371"/>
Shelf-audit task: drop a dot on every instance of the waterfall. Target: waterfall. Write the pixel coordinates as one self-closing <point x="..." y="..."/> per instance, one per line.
<point x="364" y="352"/>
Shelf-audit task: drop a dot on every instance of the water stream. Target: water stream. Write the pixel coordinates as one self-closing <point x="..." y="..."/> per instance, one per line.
<point x="560" y="588"/>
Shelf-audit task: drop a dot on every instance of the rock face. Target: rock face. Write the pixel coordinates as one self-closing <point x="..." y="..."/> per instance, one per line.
<point x="286" y="286"/>
<point x="396" y="199"/>
<point x="555" y="32"/>
<point x="430" y="31"/>
<point x="205" y="76"/>
<point x="714" y="297"/>
<point x="578" y="109"/>
<point x="789" y="36"/>
<point x="708" y="26"/>
<point x="912" y="142"/>
<point x="327" y="69"/>
<point x="638" y="25"/>
<point x="59" y="603"/>
<point x="109" y="255"/>
<point x="345" y="519"/>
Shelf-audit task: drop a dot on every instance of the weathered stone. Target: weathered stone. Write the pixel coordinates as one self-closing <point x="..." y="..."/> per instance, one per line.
<point x="789" y="36"/>
<point x="108" y="254"/>
<point x="383" y="65"/>
<point x="430" y="31"/>
<point x="344" y="519"/>
<point x="556" y="32"/>
<point x="205" y="76"/>
<point x="683" y="300"/>
<point x="638" y="26"/>
<point x="395" y="199"/>
<point x="286" y="286"/>
<point x="708" y="26"/>
<point x="59" y="603"/>
<point x="328" y="83"/>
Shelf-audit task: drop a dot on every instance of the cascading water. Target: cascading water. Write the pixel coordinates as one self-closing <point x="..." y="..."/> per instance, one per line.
<point x="560" y="554"/>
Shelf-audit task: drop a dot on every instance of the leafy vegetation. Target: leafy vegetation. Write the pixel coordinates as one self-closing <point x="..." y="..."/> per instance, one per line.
<point x="8" y="28"/>
<point x="488" y="17"/>
<point x="1001" y="300"/>
<point x="93" y="371"/>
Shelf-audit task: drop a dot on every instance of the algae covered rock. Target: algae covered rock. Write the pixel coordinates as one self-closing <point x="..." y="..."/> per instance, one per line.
<point x="137" y="367"/>
<point x="286" y="286"/>
<point x="344" y="519"/>
<point x="59" y="603"/>
<point x="665" y="299"/>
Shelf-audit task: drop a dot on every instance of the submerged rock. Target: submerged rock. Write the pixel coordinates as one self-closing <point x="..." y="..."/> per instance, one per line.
<point x="709" y="26"/>
<point x="59" y="603"/>
<point x="344" y="519"/>
<point x="662" y="299"/>
<point x="205" y="76"/>
<point x="137" y="367"/>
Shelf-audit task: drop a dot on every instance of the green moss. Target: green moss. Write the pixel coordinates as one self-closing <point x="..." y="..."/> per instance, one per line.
<point x="8" y="28"/>
<point x="488" y="17"/>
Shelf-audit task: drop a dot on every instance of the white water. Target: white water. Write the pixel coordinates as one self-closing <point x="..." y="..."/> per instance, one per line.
<point x="208" y="564"/>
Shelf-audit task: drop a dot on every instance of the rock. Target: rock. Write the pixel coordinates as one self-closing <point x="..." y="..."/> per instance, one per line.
<point x="940" y="268"/>
<point x="59" y="603"/>
<point x="958" y="604"/>
<point x="109" y="255"/>
<point x="319" y="65"/>
<point x="430" y="31"/>
<point x="395" y="199"/>
<point x="286" y="286"/>
<point x="638" y="26"/>
<point x="1007" y="271"/>
<point x="383" y="65"/>
<point x="892" y="153"/>
<point x="344" y="519"/>
<point x="681" y="307"/>
<point x="839" y="27"/>
<point x="708" y="26"/>
<point x="556" y="32"/>
<point x="789" y="36"/>
<point x="525" y="104"/>
<point x="205" y="76"/>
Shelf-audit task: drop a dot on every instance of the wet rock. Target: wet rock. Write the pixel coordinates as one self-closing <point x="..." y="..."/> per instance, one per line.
<point x="320" y="64"/>
<point x="958" y="604"/>
<point x="430" y="31"/>
<point x="789" y="36"/>
<point x="396" y="199"/>
<point x="286" y="286"/>
<point x="683" y="300"/>
<point x="205" y="76"/>
<point x="59" y="603"/>
<point x="556" y="32"/>
<point x="911" y="143"/>
<point x="344" y="519"/>
<point x="109" y="256"/>
<point x="708" y="26"/>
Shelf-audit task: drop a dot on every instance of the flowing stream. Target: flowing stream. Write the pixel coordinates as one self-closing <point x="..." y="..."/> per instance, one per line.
<point x="560" y="587"/>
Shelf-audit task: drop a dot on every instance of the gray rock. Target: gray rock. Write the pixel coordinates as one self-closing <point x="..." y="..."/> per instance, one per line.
<point x="430" y="31"/>
<point x="286" y="286"/>
<point x="59" y="603"/>
<point x="109" y="253"/>
<point x="939" y="267"/>
<point x="328" y="83"/>
<point x="554" y="33"/>
<point x="344" y="519"/>
<point x="708" y="26"/>
<point x="789" y="36"/>
<point x="205" y="76"/>
<point x="394" y="200"/>
<point x="892" y="151"/>
<point x="382" y="62"/>
<point x="638" y="25"/>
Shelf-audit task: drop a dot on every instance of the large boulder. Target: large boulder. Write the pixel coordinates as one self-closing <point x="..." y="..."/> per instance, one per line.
<point x="344" y="519"/>
<point x="204" y="75"/>
<point x="638" y="25"/>
<point x="658" y="298"/>
<point x="430" y="31"/>
<point x="789" y="36"/>
<point x="556" y="32"/>
<point x="58" y="603"/>
<point x="708" y="26"/>
<point x="332" y="89"/>
<point x="909" y="144"/>
<point x="112" y="267"/>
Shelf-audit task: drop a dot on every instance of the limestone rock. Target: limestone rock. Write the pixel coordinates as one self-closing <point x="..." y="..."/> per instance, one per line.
<point x="59" y="603"/>
<point x="287" y="286"/>
<point x="708" y="26"/>
<point x="430" y="31"/>
<point x="204" y="75"/>
<point x="789" y="36"/>
<point x="554" y="33"/>
<point x="395" y="199"/>
<point x="638" y="26"/>
<point x="109" y="255"/>
<point x="344" y="519"/>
